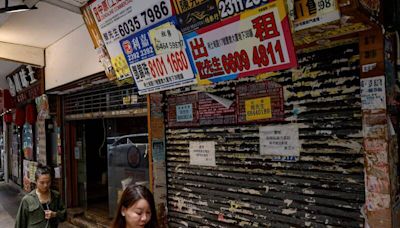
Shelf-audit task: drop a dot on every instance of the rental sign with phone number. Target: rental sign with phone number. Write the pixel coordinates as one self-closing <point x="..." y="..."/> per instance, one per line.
<point x="247" y="44"/>
<point x="157" y="58"/>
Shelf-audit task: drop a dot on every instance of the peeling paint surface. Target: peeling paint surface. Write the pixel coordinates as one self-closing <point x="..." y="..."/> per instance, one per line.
<point x="324" y="188"/>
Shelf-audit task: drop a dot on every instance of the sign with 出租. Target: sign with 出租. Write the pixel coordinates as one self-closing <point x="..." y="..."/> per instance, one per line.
<point x="247" y="44"/>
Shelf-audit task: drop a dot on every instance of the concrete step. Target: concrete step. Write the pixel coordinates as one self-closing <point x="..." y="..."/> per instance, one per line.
<point x="82" y="222"/>
<point x="101" y="221"/>
<point x="67" y="225"/>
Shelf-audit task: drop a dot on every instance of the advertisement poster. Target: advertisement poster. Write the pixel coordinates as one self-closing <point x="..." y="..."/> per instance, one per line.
<point x="202" y="153"/>
<point x="377" y="201"/>
<point x="373" y="95"/>
<point x="247" y="44"/>
<point x="260" y="102"/>
<point x="183" y="110"/>
<point x="119" y="19"/>
<point x="193" y="15"/>
<point x="259" y="108"/>
<point x="25" y="175"/>
<point x="157" y="58"/>
<point x="27" y="141"/>
<point x="229" y="8"/>
<point x="309" y="13"/>
<point x="102" y="53"/>
<point x="215" y="110"/>
<point x="184" y="113"/>
<point x="280" y="140"/>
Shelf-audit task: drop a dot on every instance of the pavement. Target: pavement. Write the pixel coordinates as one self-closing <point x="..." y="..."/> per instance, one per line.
<point x="10" y="198"/>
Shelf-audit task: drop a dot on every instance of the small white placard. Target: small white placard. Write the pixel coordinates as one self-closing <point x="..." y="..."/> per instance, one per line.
<point x="373" y="95"/>
<point x="184" y="113"/>
<point x="280" y="140"/>
<point x="202" y="153"/>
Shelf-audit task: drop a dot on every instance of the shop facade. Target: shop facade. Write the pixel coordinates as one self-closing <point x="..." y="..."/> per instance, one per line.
<point x="27" y="128"/>
<point x="105" y="141"/>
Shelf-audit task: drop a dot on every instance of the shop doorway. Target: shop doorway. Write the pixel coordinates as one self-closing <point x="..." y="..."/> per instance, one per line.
<point x="96" y="166"/>
<point x="107" y="154"/>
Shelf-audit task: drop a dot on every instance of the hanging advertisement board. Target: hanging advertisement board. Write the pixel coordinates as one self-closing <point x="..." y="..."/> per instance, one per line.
<point x="157" y="58"/>
<point x="229" y="8"/>
<point x="309" y="13"/>
<point x="193" y="15"/>
<point x="119" y="19"/>
<point x="247" y="44"/>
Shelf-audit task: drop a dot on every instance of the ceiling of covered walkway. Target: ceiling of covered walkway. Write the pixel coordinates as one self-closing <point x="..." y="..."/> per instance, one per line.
<point x="36" y="30"/>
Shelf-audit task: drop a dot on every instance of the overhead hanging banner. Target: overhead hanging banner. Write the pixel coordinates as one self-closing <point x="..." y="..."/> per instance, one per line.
<point x="247" y="44"/>
<point x="119" y="19"/>
<point x="157" y="58"/>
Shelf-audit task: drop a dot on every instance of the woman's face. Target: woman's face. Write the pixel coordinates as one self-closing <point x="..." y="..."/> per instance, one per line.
<point x="138" y="215"/>
<point x="43" y="183"/>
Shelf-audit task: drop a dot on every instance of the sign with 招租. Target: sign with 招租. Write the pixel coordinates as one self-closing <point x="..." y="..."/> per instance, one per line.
<point x="247" y="44"/>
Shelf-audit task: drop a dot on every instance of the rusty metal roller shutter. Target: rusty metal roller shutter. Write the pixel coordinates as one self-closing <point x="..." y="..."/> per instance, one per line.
<point x="325" y="188"/>
<point x="103" y="97"/>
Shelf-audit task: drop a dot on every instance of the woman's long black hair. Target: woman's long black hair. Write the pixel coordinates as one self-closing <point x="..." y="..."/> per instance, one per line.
<point x="130" y="196"/>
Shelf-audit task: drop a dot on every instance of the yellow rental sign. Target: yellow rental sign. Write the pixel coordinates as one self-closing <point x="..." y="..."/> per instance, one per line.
<point x="259" y="108"/>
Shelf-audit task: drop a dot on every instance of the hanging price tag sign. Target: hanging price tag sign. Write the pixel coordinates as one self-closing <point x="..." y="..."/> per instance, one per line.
<point x="157" y="58"/>
<point x="248" y="44"/>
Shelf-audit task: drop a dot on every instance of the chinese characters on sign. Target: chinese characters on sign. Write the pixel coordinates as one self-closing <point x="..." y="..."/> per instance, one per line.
<point x="202" y="153"/>
<point x="214" y="112"/>
<point x="119" y="19"/>
<point x="253" y="42"/>
<point x="280" y="140"/>
<point x="196" y="14"/>
<point x="259" y="108"/>
<point x="157" y="58"/>
<point x="262" y="101"/>
<point x="309" y="13"/>
<point x="26" y="83"/>
<point x="373" y="94"/>
<point x="229" y="8"/>
<point x="184" y="113"/>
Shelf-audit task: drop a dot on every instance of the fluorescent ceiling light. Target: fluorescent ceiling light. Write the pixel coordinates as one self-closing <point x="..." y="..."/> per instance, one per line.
<point x="14" y="9"/>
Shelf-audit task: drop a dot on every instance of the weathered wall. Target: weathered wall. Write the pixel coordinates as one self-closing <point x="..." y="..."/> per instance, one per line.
<point x="325" y="187"/>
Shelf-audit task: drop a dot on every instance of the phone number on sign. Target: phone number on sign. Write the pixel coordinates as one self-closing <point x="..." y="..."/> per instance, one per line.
<point x="263" y="55"/>
<point x="147" y="17"/>
<point x="161" y="69"/>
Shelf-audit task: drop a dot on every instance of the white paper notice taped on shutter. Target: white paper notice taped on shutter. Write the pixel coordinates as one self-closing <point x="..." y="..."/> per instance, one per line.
<point x="281" y="140"/>
<point x="202" y="153"/>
